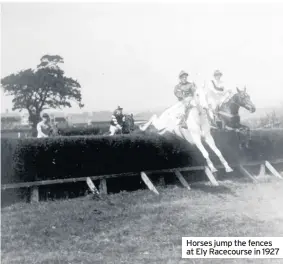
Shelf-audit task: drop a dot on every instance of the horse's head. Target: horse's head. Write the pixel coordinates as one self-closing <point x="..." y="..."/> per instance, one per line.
<point x="244" y="100"/>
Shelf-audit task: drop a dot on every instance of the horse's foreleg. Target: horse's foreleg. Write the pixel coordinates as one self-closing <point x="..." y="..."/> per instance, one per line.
<point x="197" y="140"/>
<point x="210" y="141"/>
<point x="145" y="126"/>
<point x="177" y="131"/>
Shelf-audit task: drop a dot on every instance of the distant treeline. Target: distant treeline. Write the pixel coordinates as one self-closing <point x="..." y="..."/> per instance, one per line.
<point x="269" y="120"/>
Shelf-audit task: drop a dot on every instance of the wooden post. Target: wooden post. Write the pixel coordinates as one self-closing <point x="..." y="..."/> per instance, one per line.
<point x="246" y="173"/>
<point x="262" y="171"/>
<point x="103" y="186"/>
<point x="34" y="195"/>
<point x="161" y="181"/>
<point x="148" y="183"/>
<point x="273" y="170"/>
<point x="91" y="186"/>
<point x="182" y="179"/>
<point x="210" y="176"/>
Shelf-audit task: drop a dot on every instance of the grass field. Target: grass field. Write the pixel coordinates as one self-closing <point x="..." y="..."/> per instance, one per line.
<point x="140" y="227"/>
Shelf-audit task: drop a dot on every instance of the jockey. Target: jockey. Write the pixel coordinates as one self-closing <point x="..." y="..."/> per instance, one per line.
<point x="117" y="121"/>
<point x="182" y="91"/>
<point x="217" y="90"/>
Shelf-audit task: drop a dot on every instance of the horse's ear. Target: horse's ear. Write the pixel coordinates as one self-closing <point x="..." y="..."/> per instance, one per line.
<point x="245" y="89"/>
<point x="238" y="90"/>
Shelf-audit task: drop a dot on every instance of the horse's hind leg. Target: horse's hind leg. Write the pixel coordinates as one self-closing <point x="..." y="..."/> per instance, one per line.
<point x="197" y="140"/>
<point x="210" y="141"/>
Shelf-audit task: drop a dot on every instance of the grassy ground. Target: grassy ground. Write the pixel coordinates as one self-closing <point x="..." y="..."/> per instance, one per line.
<point x="140" y="227"/>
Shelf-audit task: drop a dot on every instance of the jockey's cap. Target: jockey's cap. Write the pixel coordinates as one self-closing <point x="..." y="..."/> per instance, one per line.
<point x="119" y="108"/>
<point x="183" y="73"/>
<point x="45" y="115"/>
<point x="217" y="72"/>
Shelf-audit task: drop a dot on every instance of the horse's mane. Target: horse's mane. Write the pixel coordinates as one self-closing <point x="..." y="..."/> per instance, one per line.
<point x="228" y="99"/>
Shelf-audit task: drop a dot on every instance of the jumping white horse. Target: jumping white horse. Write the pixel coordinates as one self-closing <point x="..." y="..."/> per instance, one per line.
<point x="197" y="122"/>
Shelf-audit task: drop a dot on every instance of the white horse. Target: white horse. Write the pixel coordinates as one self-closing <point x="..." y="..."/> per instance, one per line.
<point x="197" y="122"/>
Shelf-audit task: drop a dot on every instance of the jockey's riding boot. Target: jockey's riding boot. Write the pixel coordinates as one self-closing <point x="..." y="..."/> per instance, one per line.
<point x="213" y="122"/>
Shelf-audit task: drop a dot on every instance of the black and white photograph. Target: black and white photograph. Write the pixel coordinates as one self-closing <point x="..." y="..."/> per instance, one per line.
<point x="142" y="132"/>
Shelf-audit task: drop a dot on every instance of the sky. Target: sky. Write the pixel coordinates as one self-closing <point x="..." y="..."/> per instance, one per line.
<point x="131" y="54"/>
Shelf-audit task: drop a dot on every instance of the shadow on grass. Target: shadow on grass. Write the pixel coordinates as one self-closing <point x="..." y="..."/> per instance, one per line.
<point x="217" y="190"/>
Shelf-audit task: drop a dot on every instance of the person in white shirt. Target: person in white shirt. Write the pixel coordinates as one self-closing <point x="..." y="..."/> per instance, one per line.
<point x="43" y="127"/>
<point x="217" y="92"/>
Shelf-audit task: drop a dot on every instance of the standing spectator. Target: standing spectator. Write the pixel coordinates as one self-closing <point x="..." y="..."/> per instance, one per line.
<point x="43" y="127"/>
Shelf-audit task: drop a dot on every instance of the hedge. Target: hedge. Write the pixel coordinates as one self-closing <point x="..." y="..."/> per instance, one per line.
<point x="16" y="130"/>
<point x="67" y="157"/>
<point x="9" y="160"/>
<point x="84" y="131"/>
<point x="266" y="144"/>
<point x="97" y="129"/>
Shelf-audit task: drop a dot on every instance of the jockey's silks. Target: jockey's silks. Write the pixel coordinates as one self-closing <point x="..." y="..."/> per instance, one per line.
<point x="117" y="119"/>
<point x="182" y="91"/>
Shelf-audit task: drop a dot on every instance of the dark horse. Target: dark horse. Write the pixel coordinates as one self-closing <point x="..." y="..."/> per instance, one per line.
<point x="128" y="126"/>
<point x="228" y="112"/>
<point x="54" y="131"/>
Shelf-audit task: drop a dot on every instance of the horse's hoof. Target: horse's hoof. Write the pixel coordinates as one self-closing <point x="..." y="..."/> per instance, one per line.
<point x="229" y="169"/>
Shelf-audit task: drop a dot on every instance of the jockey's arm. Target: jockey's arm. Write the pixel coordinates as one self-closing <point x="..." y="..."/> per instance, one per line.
<point x="215" y="89"/>
<point x="226" y="91"/>
<point x="178" y="93"/>
<point x="194" y="87"/>
<point x="188" y="98"/>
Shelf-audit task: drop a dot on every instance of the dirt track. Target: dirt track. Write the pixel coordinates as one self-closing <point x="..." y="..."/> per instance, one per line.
<point x="140" y="227"/>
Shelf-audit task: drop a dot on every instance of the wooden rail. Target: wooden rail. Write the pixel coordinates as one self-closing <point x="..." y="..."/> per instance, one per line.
<point x="107" y="176"/>
<point x="144" y="175"/>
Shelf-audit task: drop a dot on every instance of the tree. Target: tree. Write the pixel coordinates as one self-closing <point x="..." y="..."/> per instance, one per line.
<point x="43" y="88"/>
